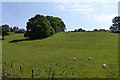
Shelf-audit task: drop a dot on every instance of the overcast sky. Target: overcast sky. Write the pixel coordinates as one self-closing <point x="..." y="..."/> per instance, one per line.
<point x="75" y="13"/>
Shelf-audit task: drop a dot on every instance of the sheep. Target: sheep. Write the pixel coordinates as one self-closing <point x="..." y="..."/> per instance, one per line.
<point x="74" y="58"/>
<point x="89" y="58"/>
<point x="104" y="66"/>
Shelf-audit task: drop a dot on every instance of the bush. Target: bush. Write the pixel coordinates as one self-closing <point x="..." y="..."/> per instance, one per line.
<point x="95" y="30"/>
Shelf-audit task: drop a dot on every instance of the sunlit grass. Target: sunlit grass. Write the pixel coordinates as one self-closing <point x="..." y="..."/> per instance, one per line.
<point x="57" y="52"/>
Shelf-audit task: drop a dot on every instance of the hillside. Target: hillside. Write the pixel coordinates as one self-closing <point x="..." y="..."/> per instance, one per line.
<point x="58" y="52"/>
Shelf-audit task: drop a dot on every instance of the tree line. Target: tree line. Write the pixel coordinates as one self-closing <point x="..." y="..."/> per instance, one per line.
<point x="83" y="30"/>
<point x="6" y="29"/>
<point x="38" y="27"/>
<point x="41" y="26"/>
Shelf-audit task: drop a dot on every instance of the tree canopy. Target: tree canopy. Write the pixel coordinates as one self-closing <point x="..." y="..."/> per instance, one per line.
<point x="5" y="29"/>
<point x="116" y="25"/>
<point x="56" y="23"/>
<point x="42" y="27"/>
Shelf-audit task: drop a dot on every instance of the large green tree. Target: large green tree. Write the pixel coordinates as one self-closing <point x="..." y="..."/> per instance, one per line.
<point x="56" y="23"/>
<point x="38" y="27"/>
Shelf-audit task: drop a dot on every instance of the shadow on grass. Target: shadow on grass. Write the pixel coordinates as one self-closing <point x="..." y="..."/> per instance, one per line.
<point x="20" y="40"/>
<point x="27" y="39"/>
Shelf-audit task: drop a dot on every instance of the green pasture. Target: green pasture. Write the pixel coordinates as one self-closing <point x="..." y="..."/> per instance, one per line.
<point x="53" y="56"/>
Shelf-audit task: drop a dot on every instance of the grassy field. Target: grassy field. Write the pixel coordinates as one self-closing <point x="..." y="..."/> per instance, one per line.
<point x="53" y="56"/>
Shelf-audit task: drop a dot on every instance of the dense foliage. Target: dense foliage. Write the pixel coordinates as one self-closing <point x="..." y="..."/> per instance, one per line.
<point x="79" y="30"/>
<point x="42" y="27"/>
<point x="115" y="28"/>
<point x="5" y="29"/>
<point x="56" y="23"/>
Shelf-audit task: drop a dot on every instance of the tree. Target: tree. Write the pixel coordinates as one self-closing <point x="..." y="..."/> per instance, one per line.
<point x="11" y="29"/>
<point x="80" y="30"/>
<point x="116" y="25"/>
<point x="95" y="30"/>
<point x="5" y="30"/>
<point x="21" y="31"/>
<point x="76" y="30"/>
<point x="38" y="27"/>
<point x="56" y="23"/>
<point x="102" y="30"/>
<point x="15" y="29"/>
<point x="1" y="30"/>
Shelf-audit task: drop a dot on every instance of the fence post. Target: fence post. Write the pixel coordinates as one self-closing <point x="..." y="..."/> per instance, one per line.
<point x="21" y="72"/>
<point x="11" y="66"/>
<point x="5" y="62"/>
<point x="32" y="74"/>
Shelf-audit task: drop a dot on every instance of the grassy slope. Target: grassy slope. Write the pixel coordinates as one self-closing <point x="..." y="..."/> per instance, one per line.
<point x="60" y="49"/>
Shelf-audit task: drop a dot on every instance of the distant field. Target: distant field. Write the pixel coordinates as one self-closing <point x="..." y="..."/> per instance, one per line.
<point x="53" y="56"/>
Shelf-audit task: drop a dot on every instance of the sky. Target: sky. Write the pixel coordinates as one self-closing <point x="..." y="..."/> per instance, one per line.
<point x="89" y="15"/>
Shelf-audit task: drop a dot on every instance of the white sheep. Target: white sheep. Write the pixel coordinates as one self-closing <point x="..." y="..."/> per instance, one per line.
<point x="74" y="58"/>
<point x="89" y="58"/>
<point x="104" y="66"/>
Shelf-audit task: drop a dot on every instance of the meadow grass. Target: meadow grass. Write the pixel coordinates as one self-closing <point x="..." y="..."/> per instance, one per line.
<point x="55" y="54"/>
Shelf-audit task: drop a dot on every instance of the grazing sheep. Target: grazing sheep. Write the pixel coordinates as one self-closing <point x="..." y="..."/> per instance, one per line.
<point x="74" y="58"/>
<point x="89" y="58"/>
<point x="104" y="66"/>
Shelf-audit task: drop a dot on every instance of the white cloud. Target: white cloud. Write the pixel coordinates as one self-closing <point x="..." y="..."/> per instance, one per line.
<point x="100" y="14"/>
<point x="119" y="9"/>
<point x="102" y="20"/>
<point x="76" y="7"/>
<point x="86" y="6"/>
